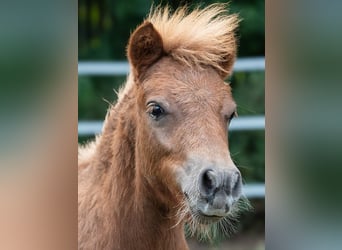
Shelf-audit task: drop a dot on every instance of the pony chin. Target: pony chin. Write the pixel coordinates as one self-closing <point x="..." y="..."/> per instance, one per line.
<point x="206" y="228"/>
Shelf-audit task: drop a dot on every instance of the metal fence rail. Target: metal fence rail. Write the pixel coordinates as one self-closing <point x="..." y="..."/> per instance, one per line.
<point x="254" y="190"/>
<point x="86" y="128"/>
<point x="110" y="68"/>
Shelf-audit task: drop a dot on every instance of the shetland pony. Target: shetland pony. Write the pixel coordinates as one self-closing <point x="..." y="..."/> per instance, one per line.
<point x="162" y="158"/>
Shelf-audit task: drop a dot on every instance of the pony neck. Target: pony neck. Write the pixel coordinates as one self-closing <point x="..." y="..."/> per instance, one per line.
<point x="147" y="223"/>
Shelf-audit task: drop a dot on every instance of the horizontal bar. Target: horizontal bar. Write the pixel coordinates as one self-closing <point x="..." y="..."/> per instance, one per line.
<point x="103" y="68"/>
<point x="254" y="190"/>
<point x="241" y="123"/>
<point x="114" y="68"/>
<point x="89" y="127"/>
<point x="247" y="123"/>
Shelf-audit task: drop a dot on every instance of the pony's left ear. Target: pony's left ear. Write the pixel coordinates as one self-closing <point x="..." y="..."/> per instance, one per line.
<point x="227" y="65"/>
<point x="145" y="47"/>
<point x="227" y="61"/>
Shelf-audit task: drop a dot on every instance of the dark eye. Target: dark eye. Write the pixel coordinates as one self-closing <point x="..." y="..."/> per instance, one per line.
<point x="155" y="111"/>
<point x="234" y="114"/>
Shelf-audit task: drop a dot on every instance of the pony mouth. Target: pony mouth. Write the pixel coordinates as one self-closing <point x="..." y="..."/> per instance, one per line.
<point x="203" y="218"/>
<point x="207" y="219"/>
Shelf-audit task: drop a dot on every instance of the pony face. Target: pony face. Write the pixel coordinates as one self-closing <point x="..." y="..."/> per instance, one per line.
<point x="185" y="112"/>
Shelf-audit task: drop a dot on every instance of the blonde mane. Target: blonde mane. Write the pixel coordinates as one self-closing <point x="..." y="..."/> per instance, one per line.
<point x="201" y="36"/>
<point x="197" y="37"/>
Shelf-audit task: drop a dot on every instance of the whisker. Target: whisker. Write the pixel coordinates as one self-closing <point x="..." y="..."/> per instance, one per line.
<point x="235" y="154"/>
<point x="111" y="105"/>
<point x="181" y="213"/>
<point x="245" y="108"/>
<point x="116" y="92"/>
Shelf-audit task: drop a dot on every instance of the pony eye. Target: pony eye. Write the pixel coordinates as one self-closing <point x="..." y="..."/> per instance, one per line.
<point x="155" y="111"/>
<point x="234" y="114"/>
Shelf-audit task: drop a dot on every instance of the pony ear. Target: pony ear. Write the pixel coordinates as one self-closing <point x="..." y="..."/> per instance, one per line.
<point x="227" y="65"/>
<point x="145" y="47"/>
<point x="227" y="61"/>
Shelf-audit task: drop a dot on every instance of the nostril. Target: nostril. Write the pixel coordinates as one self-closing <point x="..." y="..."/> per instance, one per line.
<point x="207" y="182"/>
<point x="236" y="184"/>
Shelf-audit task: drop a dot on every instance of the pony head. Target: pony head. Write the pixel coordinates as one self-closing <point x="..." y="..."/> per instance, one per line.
<point x="179" y="62"/>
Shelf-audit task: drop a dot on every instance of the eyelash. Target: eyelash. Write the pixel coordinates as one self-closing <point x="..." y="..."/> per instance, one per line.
<point x="234" y="114"/>
<point x="155" y="110"/>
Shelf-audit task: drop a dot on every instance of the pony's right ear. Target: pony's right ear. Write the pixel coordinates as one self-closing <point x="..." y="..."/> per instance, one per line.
<point x="145" y="47"/>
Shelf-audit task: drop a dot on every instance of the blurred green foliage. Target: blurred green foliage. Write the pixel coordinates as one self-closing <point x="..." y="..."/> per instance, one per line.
<point x="105" y="25"/>
<point x="104" y="29"/>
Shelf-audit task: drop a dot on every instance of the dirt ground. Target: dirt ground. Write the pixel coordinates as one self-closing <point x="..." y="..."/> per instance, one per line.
<point x="242" y="242"/>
